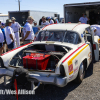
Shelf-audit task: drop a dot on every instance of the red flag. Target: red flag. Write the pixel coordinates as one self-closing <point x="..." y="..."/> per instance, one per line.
<point x="15" y="83"/>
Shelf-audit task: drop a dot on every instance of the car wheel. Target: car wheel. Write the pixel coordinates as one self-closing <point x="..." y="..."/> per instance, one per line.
<point x="81" y="74"/>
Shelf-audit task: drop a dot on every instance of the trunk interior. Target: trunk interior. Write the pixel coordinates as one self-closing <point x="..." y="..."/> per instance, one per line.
<point x="39" y="57"/>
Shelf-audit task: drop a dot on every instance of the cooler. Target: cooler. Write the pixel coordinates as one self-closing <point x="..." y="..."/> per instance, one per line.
<point x="36" y="61"/>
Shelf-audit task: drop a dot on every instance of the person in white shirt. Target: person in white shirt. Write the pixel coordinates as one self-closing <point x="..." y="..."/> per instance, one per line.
<point x="28" y="31"/>
<point x="50" y="20"/>
<point x="17" y="29"/>
<point x="1" y="42"/>
<point x="10" y="36"/>
<point x="83" y="19"/>
<point x="44" y="22"/>
<point x="96" y="29"/>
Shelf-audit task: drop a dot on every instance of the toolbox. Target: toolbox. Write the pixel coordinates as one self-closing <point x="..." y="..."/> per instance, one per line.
<point x="36" y="61"/>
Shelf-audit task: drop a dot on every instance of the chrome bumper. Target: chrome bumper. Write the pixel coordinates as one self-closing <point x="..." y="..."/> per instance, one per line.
<point x="5" y="72"/>
<point x="59" y="81"/>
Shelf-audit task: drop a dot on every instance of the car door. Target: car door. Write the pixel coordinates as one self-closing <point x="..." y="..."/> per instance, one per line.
<point x="94" y="42"/>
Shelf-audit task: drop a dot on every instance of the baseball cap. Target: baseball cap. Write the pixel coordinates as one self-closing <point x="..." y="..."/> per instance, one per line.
<point x="8" y="21"/>
<point x="34" y="22"/>
<point x="3" y="24"/>
<point x="49" y="17"/>
<point x="29" y="18"/>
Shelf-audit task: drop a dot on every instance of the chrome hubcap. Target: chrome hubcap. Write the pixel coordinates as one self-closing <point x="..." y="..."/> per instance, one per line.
<point x="81" y="71"/>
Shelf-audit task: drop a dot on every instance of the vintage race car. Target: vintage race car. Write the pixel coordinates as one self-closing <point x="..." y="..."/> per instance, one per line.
<point x="60" y="54"/>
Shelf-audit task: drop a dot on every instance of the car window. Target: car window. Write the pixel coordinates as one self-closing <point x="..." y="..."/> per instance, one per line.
<point x="59" y="36"/>
<point x="71" y="37"/>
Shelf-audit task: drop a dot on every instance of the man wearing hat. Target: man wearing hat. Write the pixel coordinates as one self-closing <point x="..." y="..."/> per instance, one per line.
<point x="28" y="31"/>
<point x="50" y="20"/>
<point x="10" y="36"/>
<point x="17" y="29"/>
<point x="36" y="28"/>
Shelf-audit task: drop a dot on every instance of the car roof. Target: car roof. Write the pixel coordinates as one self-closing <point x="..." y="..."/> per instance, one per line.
<point x="67" y="26"/>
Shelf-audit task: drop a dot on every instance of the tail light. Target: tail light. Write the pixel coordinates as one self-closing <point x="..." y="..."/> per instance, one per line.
<point x="69" y="22"/>
<point x="62" y="71"/>
<point x="94" y="46"/>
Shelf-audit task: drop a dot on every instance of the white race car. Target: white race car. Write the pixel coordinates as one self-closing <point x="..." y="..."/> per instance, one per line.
<point x="60" y="53"/>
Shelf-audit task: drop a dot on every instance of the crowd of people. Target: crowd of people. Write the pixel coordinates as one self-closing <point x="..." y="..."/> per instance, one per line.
<point x="9" y="32"/>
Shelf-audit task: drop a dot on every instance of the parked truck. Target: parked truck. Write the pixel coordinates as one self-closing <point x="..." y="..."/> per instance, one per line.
<point x="21" y="16"/>
<point x="72" y="12"/>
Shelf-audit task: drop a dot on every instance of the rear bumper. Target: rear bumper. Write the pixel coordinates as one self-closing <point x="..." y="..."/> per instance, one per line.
<point x="56" y="80"/>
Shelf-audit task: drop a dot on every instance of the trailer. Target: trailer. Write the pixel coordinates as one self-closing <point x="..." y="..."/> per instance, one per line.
<point x="72" y="12"/>
<point x="3" y="17"/>
<point x="21" y="16"/>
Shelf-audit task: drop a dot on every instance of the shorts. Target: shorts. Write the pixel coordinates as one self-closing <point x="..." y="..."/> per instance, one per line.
<point x="11" y="45"/>
<point x="1" y="45"/>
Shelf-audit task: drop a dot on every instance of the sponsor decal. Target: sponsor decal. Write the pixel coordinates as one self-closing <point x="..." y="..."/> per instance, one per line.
<point x="75" y="70"/>
<point x="90" y="56"/>
<point x="71" y="77"/>
<point x="76" y="62"/>
<point x="70" y="69"/>
<point x="99" y="40"/>
<point x="82" y="35"/>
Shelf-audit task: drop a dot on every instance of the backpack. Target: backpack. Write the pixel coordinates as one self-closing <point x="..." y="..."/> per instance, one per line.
<point x="21" y="76"/>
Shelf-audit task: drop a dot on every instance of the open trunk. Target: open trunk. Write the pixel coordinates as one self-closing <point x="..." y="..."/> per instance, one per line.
<point x="39" y="57"/>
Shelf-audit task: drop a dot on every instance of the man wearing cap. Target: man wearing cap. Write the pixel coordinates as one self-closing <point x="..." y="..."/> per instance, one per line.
<point x="35" y="28"/>
<point x="17" y="29"/>
<point x="28" y="31"/>
<point x="50" y="20"/>
<point x="10" y="36"/>
<point x="44" y="22"/>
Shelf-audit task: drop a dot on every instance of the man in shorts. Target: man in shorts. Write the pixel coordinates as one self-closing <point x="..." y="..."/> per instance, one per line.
<point x="10" y="36"/>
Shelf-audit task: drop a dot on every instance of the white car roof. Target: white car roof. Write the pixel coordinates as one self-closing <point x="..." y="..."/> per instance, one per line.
<point x="67" y="26"/>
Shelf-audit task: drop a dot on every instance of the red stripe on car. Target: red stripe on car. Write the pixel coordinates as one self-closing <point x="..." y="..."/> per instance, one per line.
<point x="76" y="26"/>
<point x="16" y="48"/>
<point x="73" y="53"/>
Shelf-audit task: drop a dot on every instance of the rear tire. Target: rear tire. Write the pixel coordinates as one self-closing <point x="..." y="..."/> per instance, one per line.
<point x="81" y="74"/>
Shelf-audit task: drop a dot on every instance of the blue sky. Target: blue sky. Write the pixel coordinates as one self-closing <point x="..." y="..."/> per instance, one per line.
<point x="41" y="5"/>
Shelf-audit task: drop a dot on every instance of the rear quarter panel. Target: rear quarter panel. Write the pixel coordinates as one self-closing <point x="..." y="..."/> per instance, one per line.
<point x="72" y="64"/>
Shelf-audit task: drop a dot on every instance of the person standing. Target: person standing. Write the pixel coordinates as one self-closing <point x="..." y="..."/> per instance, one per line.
<point x="50" y="20"/>
<point x="3" y="31"/>
<point x="1" y="42"/>
<point x="28" y="31"/>
<point x="0" y="23"/>
<point x="44" y="22"/>
<point x="17" y="29"/>
<point x="96" y="29"/>
<point x="10" y="36"/>
<point x="83" y="19"/>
